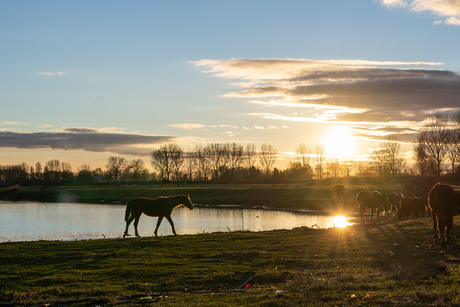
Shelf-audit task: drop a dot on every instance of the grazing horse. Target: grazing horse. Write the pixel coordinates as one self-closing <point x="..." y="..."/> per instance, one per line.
<point x="393" y="200"/>
<point x="338" y="195"/>
<point x="411" y="204"/>
<point x="370" y="200"/>
<point x="161" y="207"/>
<point x="166" y="183"/>
<point x="442" y="201"/>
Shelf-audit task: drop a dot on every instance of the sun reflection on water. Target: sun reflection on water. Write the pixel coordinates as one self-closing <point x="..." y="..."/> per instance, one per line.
<point x="341" y="221"/>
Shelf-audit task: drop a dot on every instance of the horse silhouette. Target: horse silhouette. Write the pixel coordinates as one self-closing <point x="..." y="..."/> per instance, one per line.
<point x="393" y="200"/>
<point x="371" y="200"/>
<point x="411" y="204"/>
<point x="442" y="201"/>
<point x="166" y="183"/>
<point x="161" y="207"/>
<point x="338" y="196"/>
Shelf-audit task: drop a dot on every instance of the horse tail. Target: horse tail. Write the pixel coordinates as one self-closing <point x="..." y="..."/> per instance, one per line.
<point x="128" y="211"/>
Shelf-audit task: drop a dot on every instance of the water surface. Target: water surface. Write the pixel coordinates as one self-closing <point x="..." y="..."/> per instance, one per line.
<point x="31" y="221"/>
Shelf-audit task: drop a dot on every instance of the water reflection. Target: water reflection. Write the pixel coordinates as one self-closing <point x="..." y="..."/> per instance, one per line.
<point x="64" y="221"/>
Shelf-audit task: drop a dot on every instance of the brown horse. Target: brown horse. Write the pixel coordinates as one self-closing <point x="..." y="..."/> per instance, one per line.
<point x="442" y="201"/>
<point x="371" y="200"/>
<point x="166" y="183"/>
<point x="411" y="204"/>
<point x="393" y="200"/>
<point x="161" y="207"/>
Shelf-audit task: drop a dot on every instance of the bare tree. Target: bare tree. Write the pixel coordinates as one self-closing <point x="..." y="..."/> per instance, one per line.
<point x="217" y="156"/>
<point x="320" y="159"/>
<point x="116" y="166"/>
<point x="303" y="154"/>
<point x="421" y="159"/>
<point x="52" y="170"/>
<point x="66" y="172"/>
<point x="165" y="159"/>
<point x="136" y="168"/>
<point x="453" y="143"/>
<point x="433" y="139"/>
<point x="84" y="172"/>
<point x="394" y="153"/>
<point x="348" y="166"/>
<point x="250" y="157"/>
<point x="199" y="156"/>
<point x="334" y="167"/>
<point x="190" y="164"/>
<point x="267" y="157"/>
<point x="235" y="157"/>
<point x="38" y="170"/>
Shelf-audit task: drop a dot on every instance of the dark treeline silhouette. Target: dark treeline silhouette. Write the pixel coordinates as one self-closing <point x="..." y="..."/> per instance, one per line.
<point x="436" y="145"/>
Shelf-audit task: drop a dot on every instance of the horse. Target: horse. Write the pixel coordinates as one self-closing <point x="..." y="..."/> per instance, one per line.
<point x="411" y="204"/>
<point x="393" y="200"/>
<point x="408" y="190"/>
<point x="442" y="200"/>
<point x="166" y="183"/>
<point x="371" y="200"/>
<point x="338" y="194"/>
<point x="161" y="207"/>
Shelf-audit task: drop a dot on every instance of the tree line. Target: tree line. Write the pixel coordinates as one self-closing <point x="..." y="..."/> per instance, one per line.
<point x="436" y="143"/>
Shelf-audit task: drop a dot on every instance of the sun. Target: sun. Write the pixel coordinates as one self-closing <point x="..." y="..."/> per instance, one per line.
<point x="341" y="221"/>
<point x="339" y="144"/>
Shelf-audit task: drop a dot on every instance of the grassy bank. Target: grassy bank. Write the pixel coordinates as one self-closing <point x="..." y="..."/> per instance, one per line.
<point x="383" y="264"/>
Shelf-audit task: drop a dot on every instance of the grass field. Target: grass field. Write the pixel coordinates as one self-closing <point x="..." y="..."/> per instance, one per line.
<point x="388" y="263"/>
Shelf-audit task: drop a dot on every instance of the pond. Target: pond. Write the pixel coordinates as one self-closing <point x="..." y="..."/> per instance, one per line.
<point x="31" y="221"/>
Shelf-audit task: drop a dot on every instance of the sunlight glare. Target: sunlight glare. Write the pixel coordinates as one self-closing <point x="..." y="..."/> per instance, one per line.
<point x="341" y="221"/>
<point x="339" y="144"/>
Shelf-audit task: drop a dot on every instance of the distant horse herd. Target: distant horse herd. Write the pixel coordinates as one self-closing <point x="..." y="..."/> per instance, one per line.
<point x="442" y="203"/>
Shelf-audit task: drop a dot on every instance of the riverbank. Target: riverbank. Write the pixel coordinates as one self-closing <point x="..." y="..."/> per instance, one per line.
<point x="385" y="264"/>
<point x="291" y="195"/>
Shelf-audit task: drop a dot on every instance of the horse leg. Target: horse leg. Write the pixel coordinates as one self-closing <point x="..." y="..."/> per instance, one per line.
<point x="378" y="213"/>
<point x="160" y="218"/>
<point x="128" y="222"/>
<point x="168" y="217"/>
<point x="435" y="226"/>
<point x="136" y="221"/>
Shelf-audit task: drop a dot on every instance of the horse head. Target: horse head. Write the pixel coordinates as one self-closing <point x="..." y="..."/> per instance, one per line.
<point x="188" y="202"/>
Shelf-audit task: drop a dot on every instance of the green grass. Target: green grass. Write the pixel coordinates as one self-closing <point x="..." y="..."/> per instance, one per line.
<point x="335" y="267"/>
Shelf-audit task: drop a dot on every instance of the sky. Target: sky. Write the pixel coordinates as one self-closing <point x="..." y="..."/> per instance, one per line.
<point x="81" y="81"/>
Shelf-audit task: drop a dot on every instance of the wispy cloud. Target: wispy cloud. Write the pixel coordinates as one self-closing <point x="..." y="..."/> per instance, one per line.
<point x="85" y="139"/>
<point x="188" y="126"/>
<point x="353" y="91"/>
<point x="47" y="73"/>
<point x="450" y="8"/>
<point x="10" y="123"/>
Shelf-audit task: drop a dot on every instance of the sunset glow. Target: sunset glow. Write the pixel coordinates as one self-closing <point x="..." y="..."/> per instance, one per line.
<point x="339" y="144"/>
<point x="341" y="221"/>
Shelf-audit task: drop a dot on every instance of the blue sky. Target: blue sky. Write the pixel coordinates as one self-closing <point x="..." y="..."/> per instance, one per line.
<point x="84" y="80"/>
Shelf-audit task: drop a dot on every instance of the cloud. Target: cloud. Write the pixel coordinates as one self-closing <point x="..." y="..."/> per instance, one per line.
<point x="394" y="3"/>
<point x="10" y="123"/>
<point x="452" y="21"/>
<point x="85" y="139"/>
<point x="58" y="73"/>
<point x="188" y="126"/>
<point x="343" y="90"/>
<point x="259" y="127"/>
<point x="449" y="8"/>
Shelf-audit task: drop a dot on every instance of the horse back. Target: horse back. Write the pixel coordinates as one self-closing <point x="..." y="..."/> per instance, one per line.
<point x="442" y="200"/>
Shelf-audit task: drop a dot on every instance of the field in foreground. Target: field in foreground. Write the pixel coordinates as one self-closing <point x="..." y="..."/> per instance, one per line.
<point x="388" y="263"/>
